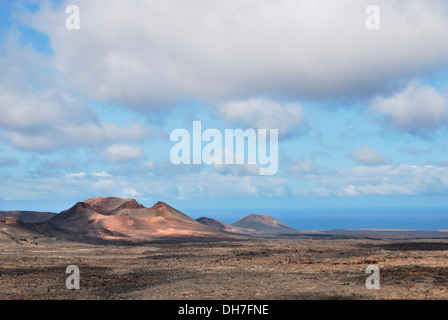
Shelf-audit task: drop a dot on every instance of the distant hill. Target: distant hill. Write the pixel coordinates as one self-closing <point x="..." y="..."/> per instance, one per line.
<point x="224" y="226"/>
<point x="28" y="216"/>
<point x="263" y="223"/>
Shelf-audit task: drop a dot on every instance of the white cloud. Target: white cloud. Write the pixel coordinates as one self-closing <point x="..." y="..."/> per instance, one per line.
<point x="306" y="166"/>
<point x="123" y="152"/>
<point x="182" y="186"/>
<point x="39" y="114"/>
<point x="365" y="154"/>
<point x="104" y="132"/>
<point x="76" y="175"/>
<point x="101" y="174"/>
<point x="288" y="118"/>
<point x="387" y="180"/>
<point x="131" y="192"/>
<point x="149" y="53"/>
<point x="63" y="135"/>
<point x="25" y="109"/>
<point x="29" y="142"/>
<point x="418" y="109"/>
<point x="381" y="180"/>
<point x="214" y="185"/>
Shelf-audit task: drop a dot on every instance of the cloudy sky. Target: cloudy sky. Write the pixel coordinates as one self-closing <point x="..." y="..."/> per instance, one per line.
<point x="362" y="114"/>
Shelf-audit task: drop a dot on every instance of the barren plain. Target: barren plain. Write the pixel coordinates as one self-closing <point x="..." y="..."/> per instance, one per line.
<point x="245" y="269"/>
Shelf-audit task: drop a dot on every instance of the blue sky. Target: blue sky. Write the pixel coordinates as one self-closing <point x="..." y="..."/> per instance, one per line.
<point x="362" y="114"/>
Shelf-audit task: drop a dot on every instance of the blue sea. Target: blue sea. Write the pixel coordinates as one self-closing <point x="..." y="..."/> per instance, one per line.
<point x="324" y="219"/>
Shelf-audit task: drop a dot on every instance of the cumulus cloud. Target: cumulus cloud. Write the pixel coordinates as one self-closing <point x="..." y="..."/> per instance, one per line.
<point x="30" y="109"/>
<point x="148" y="54"/>
<point x="237" y="55"/>
<point x="123" y="152"/>
<point x="68" y="126"/>
<point x="418" y="109"/>
<point x="365" y="154"/>
<point x="288" y="118"/>
<point x="40" y="116"/>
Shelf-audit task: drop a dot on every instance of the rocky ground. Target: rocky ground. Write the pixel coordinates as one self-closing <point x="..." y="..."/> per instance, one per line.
<point x="256" y="269"/>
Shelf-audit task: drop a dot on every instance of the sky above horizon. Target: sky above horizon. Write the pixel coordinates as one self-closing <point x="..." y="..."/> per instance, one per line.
<point x="362" y="114"/>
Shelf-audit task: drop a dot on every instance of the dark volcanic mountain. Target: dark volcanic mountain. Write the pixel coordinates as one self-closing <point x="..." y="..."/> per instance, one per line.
<point x="28" y="216"/>
<point x="263" y="223"/>
<point x="126" y="219"/>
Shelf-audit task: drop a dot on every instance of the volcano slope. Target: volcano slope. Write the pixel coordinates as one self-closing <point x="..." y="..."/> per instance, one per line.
<point x="28" y="216"/>
<point x="224" y="226"/>
<point x="124" y="219"/>
<point x="263" y="224"/>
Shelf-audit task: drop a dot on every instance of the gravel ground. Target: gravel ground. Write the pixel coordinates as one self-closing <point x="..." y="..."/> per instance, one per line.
<point x="265" y="269"/>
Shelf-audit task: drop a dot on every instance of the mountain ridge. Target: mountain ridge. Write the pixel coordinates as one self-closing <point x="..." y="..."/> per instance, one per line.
<point x="113" y="218"/>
